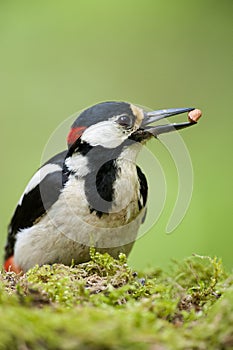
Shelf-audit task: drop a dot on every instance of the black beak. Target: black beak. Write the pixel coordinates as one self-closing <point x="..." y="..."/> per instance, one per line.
<point x="154" y="116"/>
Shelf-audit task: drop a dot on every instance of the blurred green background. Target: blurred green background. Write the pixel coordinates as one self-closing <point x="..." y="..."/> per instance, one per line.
<point x="58" y="57"/>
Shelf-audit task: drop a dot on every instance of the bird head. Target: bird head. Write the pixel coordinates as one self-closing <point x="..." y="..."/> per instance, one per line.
<point x="105" y="139"/>
<point x="111" y="124"/>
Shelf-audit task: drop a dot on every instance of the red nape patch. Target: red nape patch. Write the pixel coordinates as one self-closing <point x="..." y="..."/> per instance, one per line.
<point x="74" y="134"/>
<point x="10" y="266"/>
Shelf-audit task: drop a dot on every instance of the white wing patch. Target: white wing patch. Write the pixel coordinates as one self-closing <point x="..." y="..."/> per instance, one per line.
<point x="38" y="177"/>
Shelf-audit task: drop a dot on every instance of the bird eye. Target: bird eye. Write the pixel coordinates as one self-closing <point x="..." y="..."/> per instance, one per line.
<point x="125" y="120"/>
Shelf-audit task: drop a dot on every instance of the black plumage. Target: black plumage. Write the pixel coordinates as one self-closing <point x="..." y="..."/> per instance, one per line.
<point x="35" y="203"/>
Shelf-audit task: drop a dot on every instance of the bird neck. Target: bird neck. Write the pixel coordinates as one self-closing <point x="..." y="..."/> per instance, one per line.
<point x="109" y="175"/>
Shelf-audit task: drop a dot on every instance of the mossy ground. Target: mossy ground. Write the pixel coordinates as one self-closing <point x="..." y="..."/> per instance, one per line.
<point x="103" y="304"/>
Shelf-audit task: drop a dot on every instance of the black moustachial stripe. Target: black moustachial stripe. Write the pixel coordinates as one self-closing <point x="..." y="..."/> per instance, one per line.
<point x="79" y="146"/>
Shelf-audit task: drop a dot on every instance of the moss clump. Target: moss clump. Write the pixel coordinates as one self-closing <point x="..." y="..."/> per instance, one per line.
<point x="104" y="304"/>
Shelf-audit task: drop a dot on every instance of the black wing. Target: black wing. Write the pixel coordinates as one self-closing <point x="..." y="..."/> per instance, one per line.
<point x="35" y="202"/>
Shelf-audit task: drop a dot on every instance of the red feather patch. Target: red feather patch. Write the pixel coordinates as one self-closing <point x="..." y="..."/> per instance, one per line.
<point x="74" y="134"/>
<point x="10" y="266"/>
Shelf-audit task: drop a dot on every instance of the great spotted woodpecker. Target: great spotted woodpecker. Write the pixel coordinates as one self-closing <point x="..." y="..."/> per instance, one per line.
<point x="92" y="194"/>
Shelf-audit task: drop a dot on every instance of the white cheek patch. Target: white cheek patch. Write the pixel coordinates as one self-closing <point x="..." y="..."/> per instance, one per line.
<point x="38" y="177"/>
<point x="106" y="134"/>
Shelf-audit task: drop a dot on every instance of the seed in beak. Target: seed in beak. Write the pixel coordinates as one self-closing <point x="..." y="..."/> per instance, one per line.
<point x="194" y="115"/>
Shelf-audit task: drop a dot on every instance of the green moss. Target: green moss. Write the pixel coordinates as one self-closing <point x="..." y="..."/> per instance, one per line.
<point x="103" y="304"/>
